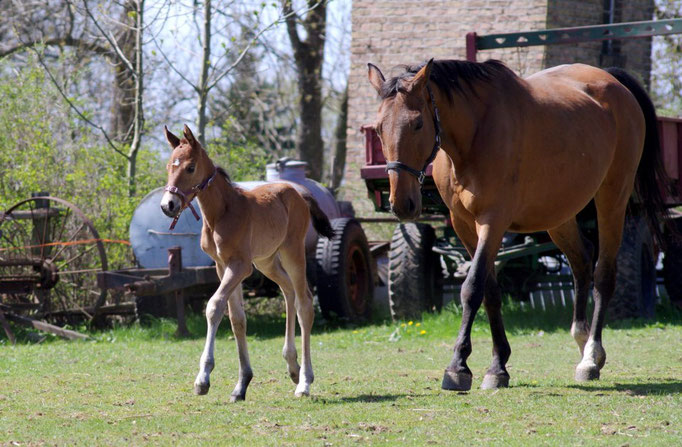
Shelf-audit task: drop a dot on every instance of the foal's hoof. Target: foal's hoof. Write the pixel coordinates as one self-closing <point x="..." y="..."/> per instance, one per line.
<point x="584" y="373"/>
<point x="456" y="381"/>
<point x="294" y="375"/>
<point x="302" y="391"/>
<point x="495" y="381"/>
<point x="201" y="388"/>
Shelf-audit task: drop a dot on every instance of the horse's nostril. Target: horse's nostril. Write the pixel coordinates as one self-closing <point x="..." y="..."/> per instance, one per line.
<point x="170" y="206"/>
<point x="410" y="206"/>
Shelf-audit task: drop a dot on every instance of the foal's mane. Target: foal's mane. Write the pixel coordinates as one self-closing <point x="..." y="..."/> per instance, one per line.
<point x="448" y="75"/>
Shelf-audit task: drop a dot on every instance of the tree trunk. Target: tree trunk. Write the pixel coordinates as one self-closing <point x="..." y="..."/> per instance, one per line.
<point x="123" y="106"/>
<point x="309" y="55"/>
<point x="139" y="88"/>
<point x="340" y="149"/>
<point x="203" y="77"/>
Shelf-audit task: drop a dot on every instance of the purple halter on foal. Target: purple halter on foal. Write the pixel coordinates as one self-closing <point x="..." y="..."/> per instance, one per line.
<point x="188" y="196"/>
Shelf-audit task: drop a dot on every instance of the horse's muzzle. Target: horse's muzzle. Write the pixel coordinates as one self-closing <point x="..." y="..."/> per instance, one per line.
<point x="170" y="205"/>
<point x="406" y="209"/>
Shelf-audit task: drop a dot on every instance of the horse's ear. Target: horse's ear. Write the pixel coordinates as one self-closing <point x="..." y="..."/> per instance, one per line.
<point x="418" y="82"/>
<point x="189" y="136"/>
<point x="375" y="77"/>
<point x="173" y="141"/>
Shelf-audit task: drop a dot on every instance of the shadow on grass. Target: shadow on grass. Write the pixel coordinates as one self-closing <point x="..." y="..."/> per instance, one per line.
<point x="669" y="386"/>
<point x="372" y="398"/>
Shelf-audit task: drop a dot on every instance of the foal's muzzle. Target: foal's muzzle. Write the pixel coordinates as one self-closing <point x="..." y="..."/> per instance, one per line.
<point x="170" y="204"/>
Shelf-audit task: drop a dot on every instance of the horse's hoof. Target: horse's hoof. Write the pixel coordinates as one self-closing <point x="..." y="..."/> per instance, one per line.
<point x="201" y="388"/>
<point x="237" y="397"/>
<point x="456" y="381"/>
<point x="302" y="391"/>
<point x="495" y="381"/>
<point x="584" y="373"/>
<point x="294" y="376"/>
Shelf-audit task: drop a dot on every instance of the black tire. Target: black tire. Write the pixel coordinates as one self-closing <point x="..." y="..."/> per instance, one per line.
<point x="635" y="293"/>
<point x="345" y="283"/>
<point x="672" y="262"/>
<point x="415" y="277"/>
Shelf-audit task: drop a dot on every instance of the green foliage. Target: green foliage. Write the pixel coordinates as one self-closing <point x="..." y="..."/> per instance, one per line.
<point x="44" y="148"/>
<point x="243" y="158"/>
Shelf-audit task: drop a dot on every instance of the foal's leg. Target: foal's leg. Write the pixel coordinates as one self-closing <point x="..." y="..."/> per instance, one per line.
<point x="273" y="269"/>
<point x="232" y="276"/>
<point x="610" y="218"/>
<point x="579" y="251"/>
<point x="497" y="375"/>
<point x="238" y="322"/>
<point x="293" y="261"/>
<point x="458" y="376"/>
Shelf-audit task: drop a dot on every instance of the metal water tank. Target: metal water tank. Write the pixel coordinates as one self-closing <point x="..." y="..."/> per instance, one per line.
<point x="150" y="237"/>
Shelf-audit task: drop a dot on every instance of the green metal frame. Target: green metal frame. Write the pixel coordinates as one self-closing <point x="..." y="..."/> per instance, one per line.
<point x="555" y="36"/>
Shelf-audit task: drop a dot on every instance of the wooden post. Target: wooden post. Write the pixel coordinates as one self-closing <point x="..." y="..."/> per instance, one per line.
<point x="175" y="267"/>
<point x="8" y="330"/>
<point x="46" y="327"/>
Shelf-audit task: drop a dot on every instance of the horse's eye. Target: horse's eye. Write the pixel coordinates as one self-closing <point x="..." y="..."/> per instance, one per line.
<point x="190" y="169"/>
<point x="419" y="125"/>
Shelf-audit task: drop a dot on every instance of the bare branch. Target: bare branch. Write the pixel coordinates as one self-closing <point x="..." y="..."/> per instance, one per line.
<point x="72" y="105"/>
<point x="58" y="41"/>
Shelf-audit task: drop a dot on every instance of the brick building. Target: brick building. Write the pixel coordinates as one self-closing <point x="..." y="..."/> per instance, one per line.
<point x="392" y="32"/>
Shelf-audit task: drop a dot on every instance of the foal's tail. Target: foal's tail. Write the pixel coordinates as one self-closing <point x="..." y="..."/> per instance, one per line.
<point x="320" y="220"/>
<point x="651" y="176"/>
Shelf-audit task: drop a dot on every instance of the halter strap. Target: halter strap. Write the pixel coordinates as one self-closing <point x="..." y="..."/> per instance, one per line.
<point x="188" y="196"/>
<point x="397" y="165"/>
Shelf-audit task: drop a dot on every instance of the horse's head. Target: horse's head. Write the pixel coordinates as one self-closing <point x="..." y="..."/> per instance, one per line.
<point x="189" y="170"/>
<point x="407" y="128"/>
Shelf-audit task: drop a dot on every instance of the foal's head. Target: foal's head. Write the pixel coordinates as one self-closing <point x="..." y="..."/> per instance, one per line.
<point x="405" y="123"/>
<point x="188" y="168"/>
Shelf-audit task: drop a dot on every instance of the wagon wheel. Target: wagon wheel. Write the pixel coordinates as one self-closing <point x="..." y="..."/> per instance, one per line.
<point x="50" y="254"/>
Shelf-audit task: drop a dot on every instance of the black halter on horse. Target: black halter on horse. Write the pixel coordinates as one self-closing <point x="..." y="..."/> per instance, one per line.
<point x="188" y="196"/>
<point x="397" y="165"/>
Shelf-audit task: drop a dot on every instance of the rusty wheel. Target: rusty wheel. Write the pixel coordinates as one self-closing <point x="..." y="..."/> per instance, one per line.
<point x="50" y="254"/>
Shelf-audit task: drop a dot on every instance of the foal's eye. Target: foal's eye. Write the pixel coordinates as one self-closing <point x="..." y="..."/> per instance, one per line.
<point x="419" y="125"/>
<point x="190" y="169"/>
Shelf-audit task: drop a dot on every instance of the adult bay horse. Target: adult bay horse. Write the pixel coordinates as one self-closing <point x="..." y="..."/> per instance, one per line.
<point x="265" y="227"/>
<point x="522" y="155"/>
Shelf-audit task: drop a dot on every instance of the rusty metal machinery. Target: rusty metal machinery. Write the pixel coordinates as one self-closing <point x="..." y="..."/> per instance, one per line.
<point x="50" y="254"/>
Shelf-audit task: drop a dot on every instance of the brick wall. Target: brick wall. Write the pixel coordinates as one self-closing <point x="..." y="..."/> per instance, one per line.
<point x="392" y="32"/>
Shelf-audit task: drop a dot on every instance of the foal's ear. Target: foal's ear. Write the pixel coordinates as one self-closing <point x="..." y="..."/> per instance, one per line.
<point x="189" y="136"/>
<point x="418" y="82"/>
<point x="375" y="77"/>
<point x="173" y="141"/>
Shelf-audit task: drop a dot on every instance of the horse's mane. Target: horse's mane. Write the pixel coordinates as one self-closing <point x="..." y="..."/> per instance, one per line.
<point x="448" y="75"/>
<point x="223" y="172"/>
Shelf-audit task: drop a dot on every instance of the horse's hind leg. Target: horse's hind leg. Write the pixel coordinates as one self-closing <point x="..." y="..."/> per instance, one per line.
<point x="610" y="218"/>
<point x="578" y="251"/>
<point x="273" y="269"/>
<point x="293" y="261"/>
<point x="238" y="321"/>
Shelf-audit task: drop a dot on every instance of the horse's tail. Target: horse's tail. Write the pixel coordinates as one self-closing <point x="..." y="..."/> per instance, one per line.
<point x="320" y="220"/>
<point x="651" y="176"/>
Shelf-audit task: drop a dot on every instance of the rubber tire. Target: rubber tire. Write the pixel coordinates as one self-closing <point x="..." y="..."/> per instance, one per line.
<point x="635" y="292"/>
<point x="672" y="263"/>
<point x="415" y="277"/>
<point x="345" y="281"/>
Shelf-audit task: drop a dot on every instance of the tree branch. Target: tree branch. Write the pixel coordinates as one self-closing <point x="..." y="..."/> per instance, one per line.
<point x="67" y="41"/>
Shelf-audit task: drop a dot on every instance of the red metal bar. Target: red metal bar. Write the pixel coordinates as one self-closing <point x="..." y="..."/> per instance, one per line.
<point x="471" y="47"/>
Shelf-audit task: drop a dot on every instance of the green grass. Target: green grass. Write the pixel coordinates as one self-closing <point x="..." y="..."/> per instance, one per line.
<point x="377" y="384"/>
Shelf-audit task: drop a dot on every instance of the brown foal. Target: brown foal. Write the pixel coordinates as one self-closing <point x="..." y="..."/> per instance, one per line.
<point x="522" y="155"/>
<point x="265" y="228"/>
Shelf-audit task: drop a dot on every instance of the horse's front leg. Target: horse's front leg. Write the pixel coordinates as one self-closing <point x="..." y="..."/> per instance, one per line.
<point x="458" y="376"/>
<point x="238" y="321"/>
<point x="232" y="276"/>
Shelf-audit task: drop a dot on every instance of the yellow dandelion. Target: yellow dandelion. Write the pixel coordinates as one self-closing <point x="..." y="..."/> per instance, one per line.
<point x="356" y="332"/>
<point x="418" y="324"/>
<point x="422" y="332"/>
<point x="403" y="325"/>
<point x="409" y="323"/>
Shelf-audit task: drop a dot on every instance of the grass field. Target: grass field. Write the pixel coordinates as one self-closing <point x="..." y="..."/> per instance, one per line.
<point x="374" y="385"/>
